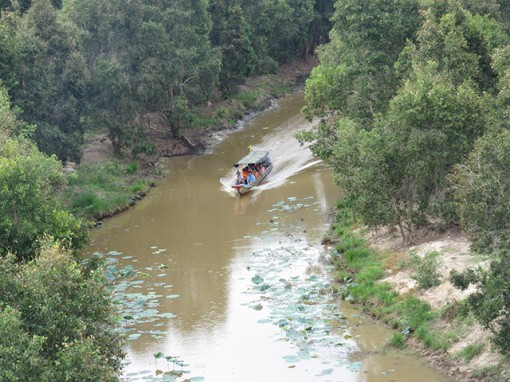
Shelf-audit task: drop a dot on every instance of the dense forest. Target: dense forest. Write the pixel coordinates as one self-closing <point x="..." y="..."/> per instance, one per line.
<point x="72" y="66"/>
<point x="413" y="98"/>
<point x="414" y="101"/>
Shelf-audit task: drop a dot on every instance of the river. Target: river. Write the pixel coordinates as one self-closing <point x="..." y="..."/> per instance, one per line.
<point x="214" y="287"/>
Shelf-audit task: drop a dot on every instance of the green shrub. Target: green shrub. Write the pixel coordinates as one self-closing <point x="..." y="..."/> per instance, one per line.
<point x="398" y="340"/>
<point x="427" y="274"/>
<point x="103" y="188"/>
<point x="470" y="352"/>
<point x="144" y="147"/>
<point x="370" y="274"/>
<point x="204" y="122"/>
<point x="430" y="338"/>
<point x="223" y="112"/>
<point x="247" y="99"/>
<point x="356" y="255"/>
<point x="132" y="167"/>
<point x="490" y="373"/>
<point x="490" y="303"/>
<point x="30" y="206"/>
<point x="349" y="241"/>
<point x="141" y="185"/>
<point x="280" y="91"/>
<point x="57" y="321"/>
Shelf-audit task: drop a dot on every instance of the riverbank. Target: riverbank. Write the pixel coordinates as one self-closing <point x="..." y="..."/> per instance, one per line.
<point x="408" y="289"/>
<point x="102" y="185"/>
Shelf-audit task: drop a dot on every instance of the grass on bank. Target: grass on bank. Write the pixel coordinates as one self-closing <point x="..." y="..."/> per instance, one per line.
<point x="359" y="270"/>
<point x="97" y="190"/>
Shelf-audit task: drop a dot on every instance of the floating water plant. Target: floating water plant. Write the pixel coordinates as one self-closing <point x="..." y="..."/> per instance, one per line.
<point x="298" y="304"/>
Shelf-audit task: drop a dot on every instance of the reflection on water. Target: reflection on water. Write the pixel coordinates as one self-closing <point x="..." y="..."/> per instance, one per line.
<point x="189" y="260"/>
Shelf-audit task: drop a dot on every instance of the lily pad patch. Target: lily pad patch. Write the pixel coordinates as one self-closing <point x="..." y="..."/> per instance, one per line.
<point x="297" y="303"/>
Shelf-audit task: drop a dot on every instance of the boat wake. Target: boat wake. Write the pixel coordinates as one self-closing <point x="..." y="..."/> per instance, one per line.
<point x="288" y="155"/>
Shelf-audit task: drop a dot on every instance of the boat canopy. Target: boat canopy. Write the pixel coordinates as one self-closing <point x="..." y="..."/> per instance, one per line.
<point x="253" y="157"/>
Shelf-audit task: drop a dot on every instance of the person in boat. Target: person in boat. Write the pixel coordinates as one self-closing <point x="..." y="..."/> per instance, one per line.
<point x="239" y="177"/>
<point x="251" y="177"/>
<point x="244" y="175"/>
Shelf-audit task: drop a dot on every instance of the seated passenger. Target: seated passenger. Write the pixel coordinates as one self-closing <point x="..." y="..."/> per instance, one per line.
<point x="239" y="177"/>
<point x="251" y="177"/>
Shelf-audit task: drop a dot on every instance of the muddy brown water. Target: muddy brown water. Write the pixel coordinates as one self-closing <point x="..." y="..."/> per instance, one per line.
<point x="214" y="287"/>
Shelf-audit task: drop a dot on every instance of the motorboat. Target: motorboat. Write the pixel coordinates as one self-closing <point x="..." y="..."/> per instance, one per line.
<point x="251" y="171"/>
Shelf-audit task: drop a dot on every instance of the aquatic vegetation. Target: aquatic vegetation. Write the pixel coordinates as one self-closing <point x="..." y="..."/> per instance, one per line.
<point x="286" y="283"/>
<point x="292" y="204"/>
<point x="136" y="307"/>
<point x="299" y="304"/>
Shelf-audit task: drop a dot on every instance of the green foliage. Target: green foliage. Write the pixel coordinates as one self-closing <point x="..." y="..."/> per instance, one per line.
<point x="29" y="204"/>
<point x="362" y="271"/>
<point x="459" y="43"/>
<point x="426" y="267"/>
<point x="398" y="340"/>
<point x="21" y="358"/>
<point x="73" y="64"/>
<point x="141" y="144"/>
<point x="350" y="241"/>
<point x="431" y="126"/>
<point x="132" y="167"/>
<point x="431" y="339"/>
<point x="99" y="189"/>
<point x="481" y="185"/>
<point x="140" y="186"/>
<point x="464" y="279"/>
<point x="179" y="116"/>
<point x="111" y="106"/>
<point x="233" y="35"/>
<point x="415" y="312"/>
<point x="492" y="373"/>
<point x="470" y="351"/>
<point x="57" y="321"/>
<point x="491" y="302"/>
<point x="392" y="153"/>
<point x="356" y="76"/>
<point x="9" y="124"/>
<point x="90" y="203"/>
<point x="47" y="78"/>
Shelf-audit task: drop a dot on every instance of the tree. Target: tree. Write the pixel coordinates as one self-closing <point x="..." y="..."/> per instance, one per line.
<point x="431" y="125"/>
<point x="10" y="125"/>
<point x="480" y="185"/>
<point x="111" y="102"/>
<point x="320" y="26"/>
<point x="48" y="80"/>
<point x="356" y="76"/>
<point x="20" y="353"/>
<point x="460" y="43"/>
<point x="145" y="57"/>
<point x="57" y="314"/>
<point x="29" y="204"/>
<point x="233" y="35"/>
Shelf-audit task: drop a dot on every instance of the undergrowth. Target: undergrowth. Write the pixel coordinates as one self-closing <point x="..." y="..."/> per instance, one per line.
<point x="359" y="271"/>
<point x="99" y="189"/>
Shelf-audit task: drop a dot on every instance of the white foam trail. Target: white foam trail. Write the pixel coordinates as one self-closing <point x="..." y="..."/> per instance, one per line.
<point x="288" y="155"/>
